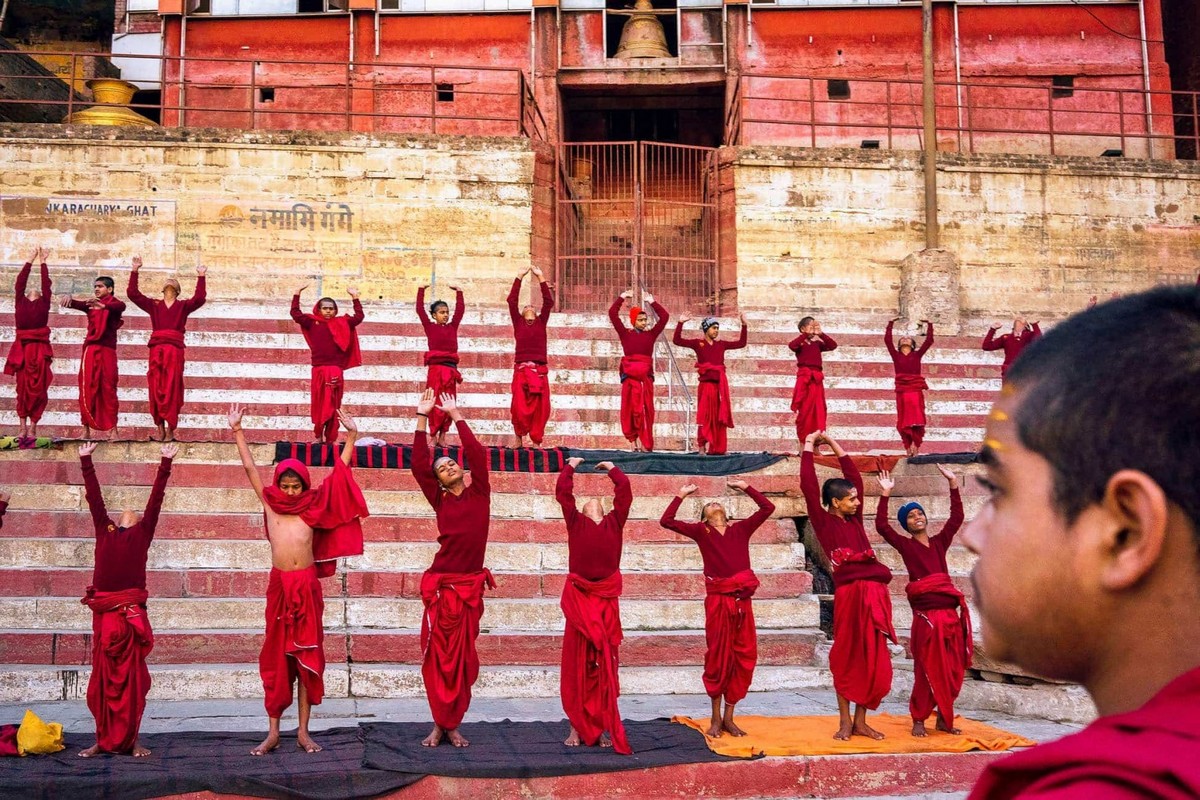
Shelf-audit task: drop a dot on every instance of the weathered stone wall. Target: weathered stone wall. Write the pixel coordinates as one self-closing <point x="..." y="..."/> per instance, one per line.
<point x="269" y="212"/>
<point x="829" y="230"/>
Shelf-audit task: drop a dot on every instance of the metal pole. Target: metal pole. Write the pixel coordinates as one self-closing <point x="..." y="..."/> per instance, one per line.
<point x="927" y="93"/>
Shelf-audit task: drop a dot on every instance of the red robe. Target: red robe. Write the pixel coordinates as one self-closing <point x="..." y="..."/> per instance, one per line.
<point x="120" y="680"/>
<point x="98" y="376"/>
<point x="294" y="646"/>
<point x="590" y="684"/>
<point x="441" y="357"/>
<point x="334" y="346"/>
<point x="808" y="394"/>
<point x="164" y="378"/>
<point x="910" y="387"/>
<point x="862" y="606"/>
<point x="450" y="664"/>
<point x="1142" y="754"/>
<point x="31" y="354"/>
<point x="530" y="409"/>
<point x="637" y="373"/>
<point x="714" y="412"/>
<point x="1012" y="344"/>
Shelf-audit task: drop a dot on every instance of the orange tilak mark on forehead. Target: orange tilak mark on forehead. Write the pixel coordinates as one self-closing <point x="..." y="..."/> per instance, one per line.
<point x="994" y="444"/>
<point x="998" y="415"/>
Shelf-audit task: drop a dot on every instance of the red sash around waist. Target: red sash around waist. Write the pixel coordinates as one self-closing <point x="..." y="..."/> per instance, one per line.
<point x="940" y="583"/>
<point x="910" y="383"/>
<point x="166" y="336"/>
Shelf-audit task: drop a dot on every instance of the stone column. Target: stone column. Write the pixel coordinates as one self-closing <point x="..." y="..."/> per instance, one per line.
<point x="929" y="289"/>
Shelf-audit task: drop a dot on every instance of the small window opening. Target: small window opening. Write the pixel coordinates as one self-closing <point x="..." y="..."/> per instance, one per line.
<point x="838" y="90"/>
<point x="266" y="94"/>
<point x="445" y="92"/>
<point x="1064" y="86"/>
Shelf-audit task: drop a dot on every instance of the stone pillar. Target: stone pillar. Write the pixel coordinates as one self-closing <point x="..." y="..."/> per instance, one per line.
<point x="929" y="289"/>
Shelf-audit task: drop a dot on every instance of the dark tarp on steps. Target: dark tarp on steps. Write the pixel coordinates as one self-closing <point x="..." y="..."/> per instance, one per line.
<point x="946" y="458"/>
<point x="661" y="463"/>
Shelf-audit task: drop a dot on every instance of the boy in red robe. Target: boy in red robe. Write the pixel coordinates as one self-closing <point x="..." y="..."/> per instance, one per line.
<point x="588" y="679"/>
<point x="1089" y="547"/>
<point x="441" y="355"/>
<point x="808" y="395"/>
<point x="531" y="383"/>
<point x="637" y="369"/>
<point x="910" y="385"/>
<point x="98" y="376"/>
<point x="941" y="639"/>
<point x="121" y="633"/>
<point x="714" y="410"/>
<point x="729" y="583"/>
<point x="862" y="607"/>
<point x="30" y="356"/>
<point x="452" y="587"/>
<point x="168" y="321"/>
<point x="1013" y="344"/>
<point x="333" y="341"/>
<point x="309" y="529"/>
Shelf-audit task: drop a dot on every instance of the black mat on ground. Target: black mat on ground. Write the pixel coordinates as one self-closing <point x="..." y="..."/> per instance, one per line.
<point x="399" y="456"/>
<point x="659" y="463"/>
<point x="528" y="750"/>
<point x="945" y="458"/>
<point x="193" y="761"/>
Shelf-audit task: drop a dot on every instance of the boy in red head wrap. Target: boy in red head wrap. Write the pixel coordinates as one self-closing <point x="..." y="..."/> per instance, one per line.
<point x="333" y="341"/>
<point x="637" y="368"/>
<point x="30" y="355"/>
<point x="808" y="395"/>
<point x="168" y="320"/>
<point x="98" y="375"/>
<point x="309" y="529"/>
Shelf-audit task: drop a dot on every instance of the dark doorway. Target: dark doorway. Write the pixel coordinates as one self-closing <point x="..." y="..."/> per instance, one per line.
<point x="1181" y="30"/>
<point x="676" y="115"/>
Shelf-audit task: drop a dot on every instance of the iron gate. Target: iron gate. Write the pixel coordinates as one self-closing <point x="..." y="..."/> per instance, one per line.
<point x="632" y="214"/>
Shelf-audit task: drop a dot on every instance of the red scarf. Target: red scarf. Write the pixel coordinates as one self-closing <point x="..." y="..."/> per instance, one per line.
<point x="940" y="583"/>
<point x="334" y="510"/>
<point x="345" y="336"/>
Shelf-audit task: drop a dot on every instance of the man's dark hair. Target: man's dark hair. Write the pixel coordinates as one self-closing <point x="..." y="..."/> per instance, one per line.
<point x="324" y="300"/>
<point x="804" y="321"/>
<point x="1117" y="387"/>
<point x="835" y="489"/>
<point x="290" y="473"/>
<point x="433" y="307"/>
<point x="107" y="281"/>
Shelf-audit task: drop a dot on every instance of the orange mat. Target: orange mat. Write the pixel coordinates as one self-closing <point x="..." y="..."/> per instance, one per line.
<point x="813" y="736"/>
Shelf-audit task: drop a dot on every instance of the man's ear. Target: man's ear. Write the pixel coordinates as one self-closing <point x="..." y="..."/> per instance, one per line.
<point x="1130" y="523"/>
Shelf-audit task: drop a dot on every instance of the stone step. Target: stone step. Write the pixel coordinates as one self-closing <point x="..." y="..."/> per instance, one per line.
<point x="54" y="581"/>
<point x="402" y="646"/>
<point x="166" y="614"/>
<point x="39" y="683"/>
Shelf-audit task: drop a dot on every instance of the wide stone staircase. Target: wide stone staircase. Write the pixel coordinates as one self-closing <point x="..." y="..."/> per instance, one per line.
<point x="208" y="564"/>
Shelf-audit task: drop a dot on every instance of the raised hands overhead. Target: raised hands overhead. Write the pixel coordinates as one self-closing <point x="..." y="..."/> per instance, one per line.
<point x="235" y="417"/>
<point x="352" y="291"/>
<point x="170" y="450"/>
<point x="87" y="448"/>
<point x="537" y="273"/>
<point x="687" y="489"/>
<point x="948" y="474"/>
<point x="886" y="482"/>
<point x="201" y="269"/>
<point x="5" y="497"/>
<point x="627" y="295"/>
<point x="605" y="466"/>
<point x="740" y="485"/>
<point x="348" y="422"/>
<point x="136" y="263"/>
<point x="447" y="403"/>
<point x="575" y="462"/>
<point x="426" y="402"/>
<point x="300" y="291"/>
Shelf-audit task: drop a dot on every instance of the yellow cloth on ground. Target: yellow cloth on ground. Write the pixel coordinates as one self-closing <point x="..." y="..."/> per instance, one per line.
<point x="813" y="736"/>
<point x="35" y="737"/>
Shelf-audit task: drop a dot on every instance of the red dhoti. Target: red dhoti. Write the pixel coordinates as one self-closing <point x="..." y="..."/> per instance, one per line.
<point x="530" y="400"/>
<point x="714" y="414"/>
<point x="294" y="646"/>
<point x="98" y="387"/>
<point x="443" y="377"/>
<point x="637" y="400"/>
<point x="808" y="401"/>
<point x="165" y="377"/>
<point x="120" y="681"/>
<point x="941" y="645"/>
<point x="910" y="409"/>
<point x="29" y="360"/>
<point x="453" y="608"/>
<point x="731" y="636"/>
<point x="588" y="680"/>
<point x="327" y="388"/>
<point x="859" y="659"/>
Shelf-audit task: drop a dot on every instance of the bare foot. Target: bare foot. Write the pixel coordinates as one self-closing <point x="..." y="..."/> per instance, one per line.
<point x="946" y="727"/>
<point x="139" y="751"/>
<point x="714" y="730"/>
<point x="572" y="739"/>
<point x="434" y="738"/>
<point x="91" y="751"/>
<point x="919" y="729"/>
<point x="268" y="744"/>
<point x="170" y="435"/>
<point x="305" y="742"/>
<point x="605" y="741"/>
<point x="843" y="733"/>
<point x="457" y="739"/>
<point x="731" y="728"/>
<point x="863" y="729"/>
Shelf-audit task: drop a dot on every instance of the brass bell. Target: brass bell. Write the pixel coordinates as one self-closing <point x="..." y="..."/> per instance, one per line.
<point x="643" y="35"/>
<point x="114" y="94"/>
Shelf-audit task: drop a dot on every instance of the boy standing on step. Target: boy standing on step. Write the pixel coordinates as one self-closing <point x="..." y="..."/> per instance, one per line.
<point x="590" y="601"/>
<point x="98" y="373"/>
<point x="333" y="340"/>
<point x="441" y="355"/>
<point x="862" y="607"/>
<point x="714" y="407"/>
<point x="121" y="633"/>
<point x="530" y="407"/>
<point x="309" y="529"/>
<point x="729" y="583"/>
<point x="1013" y="344"/>
<point x="452" y="587"/>
<point x="31" y="354"/>
<point x="941" y="628"/>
